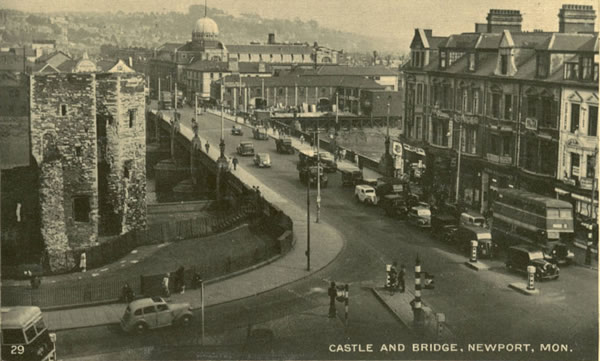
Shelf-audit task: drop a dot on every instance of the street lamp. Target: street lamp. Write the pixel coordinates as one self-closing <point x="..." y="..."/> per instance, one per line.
<point x="318" y="176"/>
<point x="222" y="163"/>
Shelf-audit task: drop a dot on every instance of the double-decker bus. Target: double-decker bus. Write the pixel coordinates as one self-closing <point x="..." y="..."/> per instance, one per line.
<point x="521" y="216"/>
<point x="25" y="336"/>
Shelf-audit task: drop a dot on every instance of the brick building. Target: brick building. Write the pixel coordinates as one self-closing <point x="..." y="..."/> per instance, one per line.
<point x="505" y="96"/>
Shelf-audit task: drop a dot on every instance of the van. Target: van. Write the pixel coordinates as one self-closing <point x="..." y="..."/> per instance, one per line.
<point x="463" y="236"/>
<point x="472" y="219"/>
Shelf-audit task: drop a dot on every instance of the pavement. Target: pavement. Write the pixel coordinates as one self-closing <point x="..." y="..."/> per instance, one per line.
<point x="327" y="244"/>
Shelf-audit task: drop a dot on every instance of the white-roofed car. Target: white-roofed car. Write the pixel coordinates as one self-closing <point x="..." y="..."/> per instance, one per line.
<point x="420" y="216"/>
<point x="262" y="160"/>
<point x="365" y="194"/>
<point x="153" y="312"/>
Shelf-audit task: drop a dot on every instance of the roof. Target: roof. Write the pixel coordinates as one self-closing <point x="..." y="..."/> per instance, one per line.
<point x="529" y="39"/>
<point x="357" y="71"/>
<point x="270" y="49"/>
<point x="436" y="42"/>
<point x="488" y="41"/>
<point x="67" y="66"/>
<point x="537" y="198"/>
<point x="311" y="81"/>
<point x="463" y="41"/>
<point x="247" y="67"/>
<point x="19" y="316"/>
<point x="209" y="65"/>
<point x="144" y="302"/>
<point x="55" y="58"/>
<point x="201" y="45"/>
<point x="169" y="46"/>
<point x="572" y="42"/>
<point x="44" y="41"/>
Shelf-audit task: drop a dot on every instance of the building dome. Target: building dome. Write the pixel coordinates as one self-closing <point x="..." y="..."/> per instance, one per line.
<point x="206" y="26"/>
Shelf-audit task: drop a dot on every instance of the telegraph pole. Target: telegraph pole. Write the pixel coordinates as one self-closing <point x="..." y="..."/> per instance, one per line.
<point x="318" y="176"/>
<point x="308" y="219"/>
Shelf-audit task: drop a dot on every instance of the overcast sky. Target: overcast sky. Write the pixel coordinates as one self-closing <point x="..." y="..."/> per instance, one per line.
<point x="386" y="18"/>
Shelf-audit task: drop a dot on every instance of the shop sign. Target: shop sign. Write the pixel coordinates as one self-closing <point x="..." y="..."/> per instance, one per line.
<point x="586" y="183"/>
<point x="531" y="123"/>
<point x="397" y="148"/>
<point x="417" y="150"/>
<point x="569" y="181"/>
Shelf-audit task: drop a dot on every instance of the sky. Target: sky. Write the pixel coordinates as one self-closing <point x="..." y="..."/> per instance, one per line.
<point x="383" y="18"/>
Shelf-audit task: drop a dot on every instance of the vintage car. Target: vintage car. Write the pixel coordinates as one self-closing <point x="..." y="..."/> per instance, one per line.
<point x="284" y="145"/>
<point x="245" y="148"/>
<point x="420" y="216"/>
<point x="443" y="226"/>
<point x="472" y="219"/>
<point x="237" y="130"/>
<point x="153" y="312"/>
<point x="521" y="256"/>
<point x="462" y="238"/>
<point x="309" y="174"/>
<point x="394" y="205"/>
<point x="365" y="194"/>
<point x="262" y="160"/>
<point x="351" y="177"/>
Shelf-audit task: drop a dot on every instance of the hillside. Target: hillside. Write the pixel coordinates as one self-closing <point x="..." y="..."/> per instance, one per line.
<point x="87" y="31"/>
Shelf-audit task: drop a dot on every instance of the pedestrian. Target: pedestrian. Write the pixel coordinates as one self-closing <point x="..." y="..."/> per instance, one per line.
<point x="179" y="277"/>
<point x="302" y="139"/>
<point x="127" y="293"/>
<point x="332" y="292"/>
<point x="356" y="159"/>
<point x="197" y="280"/>
<point x="343" y="154"/>
<point x="393" y="274"/>
<point x="207" y="146"/>
<point x="401" y="278"/>
<point x="165" y="285"/>
<point x="235" y="162"/>
<point x="83" y="262"/>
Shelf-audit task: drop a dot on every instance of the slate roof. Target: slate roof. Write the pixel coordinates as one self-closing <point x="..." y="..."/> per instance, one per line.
<point x="310" y="81"/>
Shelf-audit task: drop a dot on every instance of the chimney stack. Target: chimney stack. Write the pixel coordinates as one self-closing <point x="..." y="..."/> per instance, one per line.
<point x="271" y="38"/>
<point x="576" y="18"/>
<point x="499" y="20"/>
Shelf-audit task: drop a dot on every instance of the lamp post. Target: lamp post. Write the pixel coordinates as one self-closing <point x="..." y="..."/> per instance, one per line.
<point x="318" y="176"/>
<point x="308" y="221"/>
<point x="222" y="163"/>
<point x="459" y="156"/>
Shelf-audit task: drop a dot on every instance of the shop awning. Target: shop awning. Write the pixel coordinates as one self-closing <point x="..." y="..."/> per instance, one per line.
<point x="562" y="192"/>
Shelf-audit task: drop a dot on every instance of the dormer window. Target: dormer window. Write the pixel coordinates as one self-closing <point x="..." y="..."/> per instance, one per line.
<point x="571" y="71"/>
<point x="542" y="65"/>
<point x="504" y="64"/>
<point x="443" y="56"/>
<point x="587" y="64"/>
<point x="472" y="62"/>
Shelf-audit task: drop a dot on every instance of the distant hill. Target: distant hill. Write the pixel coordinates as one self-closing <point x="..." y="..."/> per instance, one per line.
<point x="87" y="31"/>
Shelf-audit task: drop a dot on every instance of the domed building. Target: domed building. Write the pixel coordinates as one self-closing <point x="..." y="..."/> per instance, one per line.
<point x="204" y="45"/>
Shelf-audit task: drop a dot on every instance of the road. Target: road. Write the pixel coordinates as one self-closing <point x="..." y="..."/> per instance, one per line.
<point x="479" y="306"/>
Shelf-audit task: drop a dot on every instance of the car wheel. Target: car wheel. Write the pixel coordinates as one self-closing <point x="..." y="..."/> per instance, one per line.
<point x="141" y="328"/>
<point x="186" y="320"/>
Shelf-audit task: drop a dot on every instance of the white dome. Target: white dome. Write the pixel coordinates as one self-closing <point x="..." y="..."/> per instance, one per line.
<point x="206" y="26"/>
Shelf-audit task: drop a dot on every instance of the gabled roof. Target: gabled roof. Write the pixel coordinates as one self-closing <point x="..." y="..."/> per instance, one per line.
<point x="489" y="41"/>
<point x="462" y="41"/>
<point x="572" y="42"/>
<point x="55" y="58"/>
<point x="270" y="49"/>
<point x="113" y="66"/>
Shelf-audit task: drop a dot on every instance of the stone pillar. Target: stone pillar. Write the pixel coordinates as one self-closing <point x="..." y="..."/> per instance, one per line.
<point x="53" y="225"/>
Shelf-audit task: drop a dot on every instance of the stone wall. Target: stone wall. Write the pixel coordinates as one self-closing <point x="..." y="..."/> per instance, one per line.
<point x="121" y="109"/>
<point x="63" y="129"/>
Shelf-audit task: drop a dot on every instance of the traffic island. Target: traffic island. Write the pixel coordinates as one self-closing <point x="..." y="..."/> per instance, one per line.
<point x="477" y="266"/>
<point x="522" y="288"/>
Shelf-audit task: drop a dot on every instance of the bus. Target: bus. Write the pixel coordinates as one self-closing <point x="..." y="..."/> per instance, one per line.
<point x="25" y="336"/>
<point x="520" y="216"/>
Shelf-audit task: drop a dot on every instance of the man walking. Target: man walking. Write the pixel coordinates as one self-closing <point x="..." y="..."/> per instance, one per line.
<point x="401" y="278"/>
<point x="207" y="146"/>
<point x="235" y="162"/>
<point x="165" y="285"/>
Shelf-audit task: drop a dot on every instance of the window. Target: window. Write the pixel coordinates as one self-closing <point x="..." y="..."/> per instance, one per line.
<point x="593" y="121"/>
<point x="30" y="333"/>
<point x="280" y="91"/>
<point x="419" y="93"/>
<point x="149" y="310"/>
<point x="496" y="105"/>
<point x="281" y="56"/>
<point x="574" y="117"/>
<point x="78" y="151"/>
<point x="162" y="307"/>
<point x="81" y="209"/>
<point x="138" y="312"/>
<point x="503" y="64"/>
<point x="260" y="58"/>
<point x="476" y="108"/>
<point x="419" y="121"/>
<point x="238" y="56"/>
<point x="472" y="62"/>
<point x="506" y="145"/>
<point x="443" y="55"/>
<point x="591" y="166"/>
<point x="532" y="107"/>
<point x="574" y="165"/>
<point x="465" y="99"/>
<point x="595" y="72"/>
<point x="542" y="65"/>
<point x="63" y="110"/>
<point x="547" y="116"/>
<point x="571" y="71"/>
<point x="586" y="68"/>
<point x="508" y="106"/>
<point x="132" y="113"/>
<point x="126" y="171"/>
<point x="249" y="57"/>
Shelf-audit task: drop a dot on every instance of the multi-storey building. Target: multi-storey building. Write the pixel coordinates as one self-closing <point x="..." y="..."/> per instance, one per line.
<point x="502" y="100"/>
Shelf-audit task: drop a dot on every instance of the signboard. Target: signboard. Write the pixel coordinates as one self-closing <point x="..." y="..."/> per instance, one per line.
<point x="398" y="163"/>
<point x="586" y="183"/>
<point x="531" y="123"/>
<point x="397" y="148"/>
<point x="417" y="150"/>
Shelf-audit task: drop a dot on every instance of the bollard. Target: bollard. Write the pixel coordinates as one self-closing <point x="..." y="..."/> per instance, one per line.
<point x="473" y="252"/>
<point x="418" y="316"/>
<point x="531" y="278"/>
<point x="388" y="279"/>
<point x="441" y="319"/>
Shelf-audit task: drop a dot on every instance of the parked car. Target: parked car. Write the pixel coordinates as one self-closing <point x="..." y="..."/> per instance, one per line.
<point x="365" y="194"/>
<point x="154" y="312"/>
<point x="394" y="205"/>
<point x="245" y="148"/>
<point x="521" y="256"/>
<point x="472" y="219"/>
<point x="237" y="130"/>
<point x="420" y="216"/>
<point x="262" y="160"/>
<point x="443" y="226"/>
<point x="462" y="238"/>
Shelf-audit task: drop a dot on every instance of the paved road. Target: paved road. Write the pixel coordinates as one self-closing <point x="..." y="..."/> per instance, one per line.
<point x="479" y="306"/>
